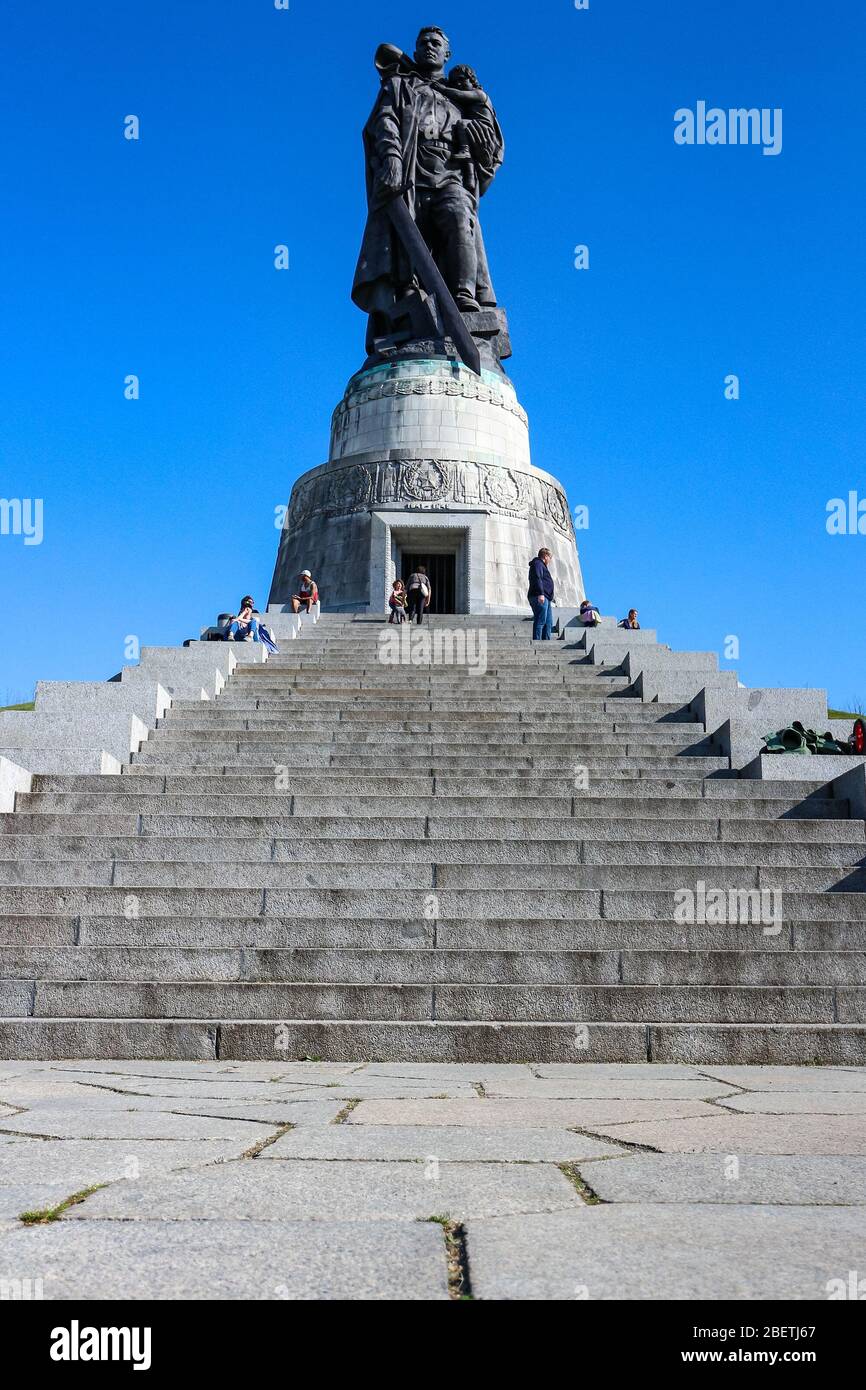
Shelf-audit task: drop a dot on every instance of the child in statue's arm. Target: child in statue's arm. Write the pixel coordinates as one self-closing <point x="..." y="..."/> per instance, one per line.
<point x="465" y="91"/>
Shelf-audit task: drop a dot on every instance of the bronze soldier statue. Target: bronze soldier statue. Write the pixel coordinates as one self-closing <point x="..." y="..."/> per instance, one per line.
<point x="434" y="142"/>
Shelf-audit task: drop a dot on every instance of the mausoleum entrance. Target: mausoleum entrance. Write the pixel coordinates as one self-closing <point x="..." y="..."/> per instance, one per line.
<point x="442" y="550"/>
<point x="442" y="570"/>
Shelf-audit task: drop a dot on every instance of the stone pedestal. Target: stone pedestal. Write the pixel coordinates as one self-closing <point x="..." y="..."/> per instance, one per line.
<point x="426" y="456"/>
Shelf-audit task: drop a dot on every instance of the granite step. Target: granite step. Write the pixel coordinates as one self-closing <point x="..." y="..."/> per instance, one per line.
<point x="150" y="965"/>
<point x="429" y="775"/>
<point x="682" y="799"/>
<point x="597" y="731"/>
<point x="219" y="762"/>
<point x="49" y="827"/>
<point x="574" y="1004"/>
<point x="350" y="1040"/>
<point x="802" y="902"/>
<point x="515" y="937"/>
<point x="614" y="848"/>
<point x="430" y="874"/>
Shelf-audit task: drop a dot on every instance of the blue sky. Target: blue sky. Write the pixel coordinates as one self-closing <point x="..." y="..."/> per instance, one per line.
<point x="155" y="258"/>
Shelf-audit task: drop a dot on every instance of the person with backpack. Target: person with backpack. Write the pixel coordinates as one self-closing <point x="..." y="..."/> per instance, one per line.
<point x="420" y="593"/>
<point x="540" y="596"/>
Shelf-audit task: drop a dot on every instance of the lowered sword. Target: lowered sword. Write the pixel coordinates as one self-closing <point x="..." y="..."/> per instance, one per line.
<point x="430" y="276"/>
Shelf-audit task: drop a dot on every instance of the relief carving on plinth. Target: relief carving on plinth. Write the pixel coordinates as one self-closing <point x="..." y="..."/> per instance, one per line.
<point x="557" y="509"/>
<point x="389" y="482"/>
<point x="426" y="481"/>
<point x="433" y="482"/>
<point x="468" y="482"/>
<point x="503" y="488"/>
<point x="467" y="386"/>
<point x="349" y="489"/>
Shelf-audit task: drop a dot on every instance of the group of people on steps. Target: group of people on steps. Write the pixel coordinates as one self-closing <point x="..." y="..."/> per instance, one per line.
<point x="410" y="600"/>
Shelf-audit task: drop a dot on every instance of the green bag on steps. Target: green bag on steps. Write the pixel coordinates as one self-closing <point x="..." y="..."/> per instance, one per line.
<point x="786" y="741"/>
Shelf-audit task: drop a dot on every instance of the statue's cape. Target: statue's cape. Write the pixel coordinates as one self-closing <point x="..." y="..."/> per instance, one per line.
<point x="382" y="259"/>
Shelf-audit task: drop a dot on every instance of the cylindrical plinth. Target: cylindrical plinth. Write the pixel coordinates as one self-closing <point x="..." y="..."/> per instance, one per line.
<point x="427" y="458"/>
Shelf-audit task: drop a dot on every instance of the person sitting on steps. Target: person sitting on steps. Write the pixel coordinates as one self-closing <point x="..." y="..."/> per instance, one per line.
<point x="307" y="595"/>
<point x="244" y="628"/>
<point x="631" y="621"/>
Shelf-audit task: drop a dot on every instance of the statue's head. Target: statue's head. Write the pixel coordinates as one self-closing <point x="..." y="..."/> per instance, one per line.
<point x="432" y="50"/>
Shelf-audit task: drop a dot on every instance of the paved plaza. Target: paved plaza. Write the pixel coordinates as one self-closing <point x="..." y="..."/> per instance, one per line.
<point x="325" y="1180"/>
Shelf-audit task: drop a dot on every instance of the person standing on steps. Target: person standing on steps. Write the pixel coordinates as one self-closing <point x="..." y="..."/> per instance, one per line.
<point x="397" y="602"/>
<point x="541" y="594"/>
<point x="420" y="592"/>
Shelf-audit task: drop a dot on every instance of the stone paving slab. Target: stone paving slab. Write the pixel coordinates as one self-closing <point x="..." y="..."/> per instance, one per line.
<point x="61" y="1167"/>
<point x="17" y="1198"/>
<point x="397" y="1260"/>
<point x="421" y="1142"/>
<point x="230" y="1090"/>
<point x="821" y="1079"/>
<point x="294" y="1110"/>
<point x="746" y="1134"/>
<point x="608" y="1088"/>
<point x="246" y="1073"/>
<point x="120" y="1089"/>
<point x="25" y="1090"/>
<point x="387" y="1088"/>
<point x="666" y="1252"/>
<point x="189" y="1075"/>
<point x="799" y="1103"/>
<point x="305" y="1107"/>
<point x="530" y="1114"/>
<point x="485" y="1072"/>
<point x="337" y="1191"/>
<point x="108" y="1123"/>
<point x="776" y="1181"/>
<point x="623" y="1071"/>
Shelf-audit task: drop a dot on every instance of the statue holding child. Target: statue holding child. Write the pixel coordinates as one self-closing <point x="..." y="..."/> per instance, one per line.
<point x="432" y="140"/>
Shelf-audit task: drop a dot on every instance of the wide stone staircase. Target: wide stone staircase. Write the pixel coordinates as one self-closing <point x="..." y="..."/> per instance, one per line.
<point x="349" y="853"/>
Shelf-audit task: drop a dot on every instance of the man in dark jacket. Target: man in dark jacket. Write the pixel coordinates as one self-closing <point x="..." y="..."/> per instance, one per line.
<point x="541" y="596"/>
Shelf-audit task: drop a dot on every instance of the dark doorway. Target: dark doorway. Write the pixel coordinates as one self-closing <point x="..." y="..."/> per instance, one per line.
<point x="441" y="570"/>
